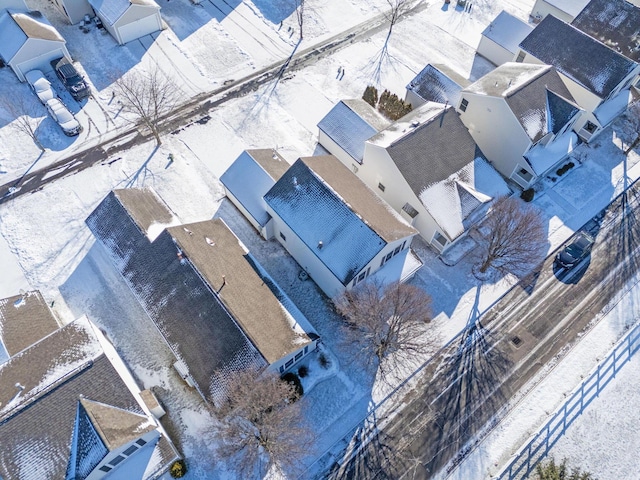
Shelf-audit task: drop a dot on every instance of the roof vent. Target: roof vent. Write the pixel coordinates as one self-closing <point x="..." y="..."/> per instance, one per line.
<point x="187" y="230"/>
<point x="415" y="123"/>
<point x="209" y="241"/>
<point x="320" y="244"/>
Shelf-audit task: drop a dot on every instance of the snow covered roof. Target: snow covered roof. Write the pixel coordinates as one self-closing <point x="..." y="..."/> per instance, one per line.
<point x="112" y="10"/>
<point x="11" y="37"/>
<point x="406" y="126"/>
<point x="608" y="111"/>
<point x="36" y="25"/>
<point x="350" y="123"/>
<point x="536" y="95"/>
<point x="322" y="201"/>
<point x="438" y="83"/>
<point x="146" y="209"/>
<point x="507" y="31"/>
<point x="250" y="176"/>
<point x="616" y="23"/>
<point x="230" y="270"/>
<point x="543" y="157"/>
<point x="24" y="320"/>
<point x="39" y="392"/>
<point x="452" y="201"/>
<point x="580" y="57"/>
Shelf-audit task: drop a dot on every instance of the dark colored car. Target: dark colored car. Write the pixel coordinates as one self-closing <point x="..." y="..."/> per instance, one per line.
<point x="574" y="252"/>
<point x="71" y="79"/>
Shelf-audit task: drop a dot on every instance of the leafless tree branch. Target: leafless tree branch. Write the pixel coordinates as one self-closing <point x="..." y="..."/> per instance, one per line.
<point x="512" y="238"/>
<point x="25" y="110"/>
<point x="263" y="427"/>
<point x="147" y="97"/>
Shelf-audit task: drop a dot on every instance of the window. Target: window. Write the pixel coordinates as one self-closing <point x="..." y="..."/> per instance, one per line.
<point x="141" y="442"/>
<point x="397" y="250"/>
<point x="590" y="127"/>
<point x="525" y="174"/>
<point x="388" y="257"/>
<point x="361" y="276"/>
<point x="283" y="237"/>
<point x="106" y="468"/>
<point x="117" y="460"/>
<point x="521" y="56"/>
<point x="464" y="104"/>
<point x="299" y="356"/>
<point x="130" y="450"/>
<point x="403" y="244"/>
<point x="409" y="210"/>
<point x="440" y="239"/>
<point x="306" y="349"/>
<point x="288" y="364"/>
<point x="281" y="368"/>
<point x="381" y="186"/>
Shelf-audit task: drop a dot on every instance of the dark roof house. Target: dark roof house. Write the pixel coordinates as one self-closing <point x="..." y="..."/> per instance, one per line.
<point x="69" y="407"/>
<point x="435" y="83"/>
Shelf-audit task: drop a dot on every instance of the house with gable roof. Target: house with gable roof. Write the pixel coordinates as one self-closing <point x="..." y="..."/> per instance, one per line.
<point x="616" y="23"/>
<point x="28" y="41"/>
<point x="343" y="131"/>
<point x="598" y="77"/>
<point x="428" y="168"/>
<point x="127" y="20"/>
<point x="435" y="83"/>
<point x="338" y="230"/>
<point x="522" y="117"/>
<point x="218" y="310"/>
<point x="264" y="167"/>
<point x="69" y="408"/>
<point x="499" y="41"/>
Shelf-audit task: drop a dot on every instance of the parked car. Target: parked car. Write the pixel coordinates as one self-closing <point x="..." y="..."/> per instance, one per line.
<point x="63" y="117"/>
<point x="40" y="85"/>
<point x="71" y="79"/>
<point x="574" y="252"/>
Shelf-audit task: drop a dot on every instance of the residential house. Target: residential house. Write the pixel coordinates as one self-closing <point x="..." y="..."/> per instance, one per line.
<point x="427" y="167"/>
<point x="337" y="229"/>
<point x="215" y="306"/>
<point x="127" y="20"/>
<point x="565" y="10"/>
<point x="263" y="167"/>
<point x="74" y="10"/>
<point x="435" y="83"/>
<point x="69" y="408"/>
<point x="522" y="117"/>
<point x="616" y="23"/>
<point x="499" y="41"/>
<point x="598" y="77"/>
<point x="343" y="131"/>
<point x="28" y="41"/>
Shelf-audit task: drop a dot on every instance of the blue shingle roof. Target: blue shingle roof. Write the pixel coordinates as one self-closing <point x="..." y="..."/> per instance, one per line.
<point x="560" y="111"/>
<point x="316" y="214"/>
<point x="348" y="129"/>
<point x="432" y="85"/>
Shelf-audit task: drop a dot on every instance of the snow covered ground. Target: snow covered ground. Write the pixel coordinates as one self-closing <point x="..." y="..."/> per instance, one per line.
<point x="44" y="243"/>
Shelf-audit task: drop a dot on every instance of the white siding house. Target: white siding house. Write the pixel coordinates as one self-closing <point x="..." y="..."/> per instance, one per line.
<point x="499" y="41"/>
<point x="28" y="41"/>
<point x="74" y="10"/>
<point x="565" y="10"/>
<point x="127" y="20"/>
<point x="598" y="77"/>
<point x="336" y="228"/>
<point x="521" y="116"/>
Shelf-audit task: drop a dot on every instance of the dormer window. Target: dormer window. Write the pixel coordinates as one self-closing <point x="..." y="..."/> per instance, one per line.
<point x="464" y="104"/>
<point x="521" y="56"/>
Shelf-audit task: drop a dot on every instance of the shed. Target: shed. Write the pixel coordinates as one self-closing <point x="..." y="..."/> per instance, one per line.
<point x="127" y="20"/>
<point x="28" y="41"/>
<point x="499" y="41"/>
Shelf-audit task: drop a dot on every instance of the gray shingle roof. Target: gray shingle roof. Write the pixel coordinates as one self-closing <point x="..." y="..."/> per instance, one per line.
<point x="616" y="23"/>
<point x="580" y="57"/>
<point x="39" y="392"/>
<point x="322" y="201"/>
<point x="350" y="123"/>
<point x="437" y="83"/>
<point x="24" y="320"/>
<point x="536" y="95"/>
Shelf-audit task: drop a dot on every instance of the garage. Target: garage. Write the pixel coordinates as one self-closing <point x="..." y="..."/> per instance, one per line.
<point x="29" y="41"/>
<point x="127" y="20"/>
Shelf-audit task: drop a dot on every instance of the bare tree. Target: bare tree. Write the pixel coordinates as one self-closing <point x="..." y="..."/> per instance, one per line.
<point x="147" y="97"/>
<point x="387" y="323"/>
<point x="263" y="425"/>
<point x="397" y="8"/>
<point x="633" y="118"/>
<point x="26" y="111"/>
<point x="511" y="239"/>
